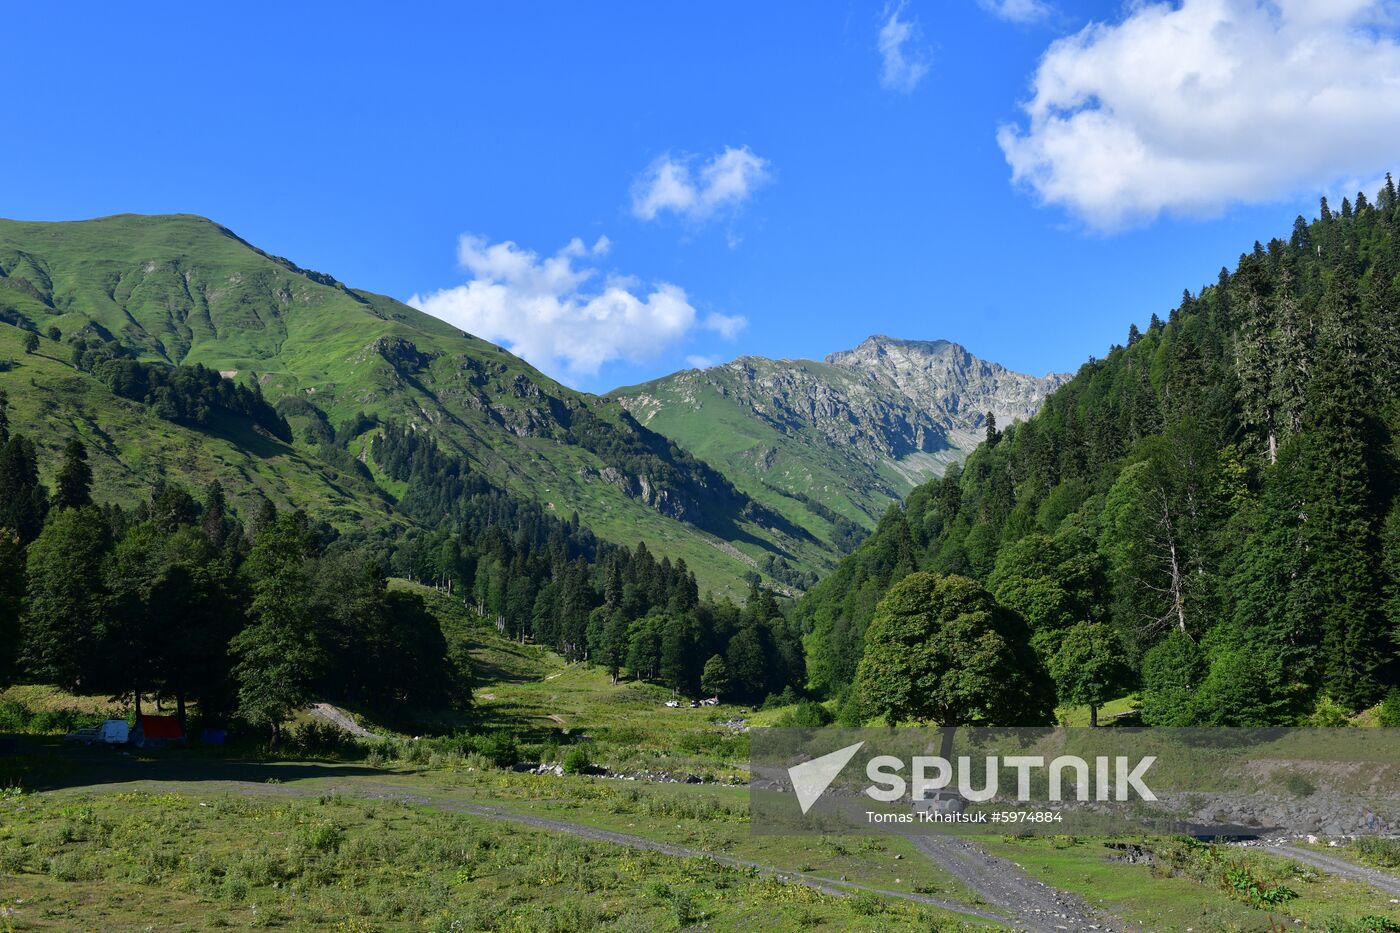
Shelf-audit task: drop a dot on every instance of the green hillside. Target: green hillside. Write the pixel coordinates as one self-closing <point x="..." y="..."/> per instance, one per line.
<point x="820" y="486"/>
<point x="183" y="290"/>
<point x="831" y="444"/>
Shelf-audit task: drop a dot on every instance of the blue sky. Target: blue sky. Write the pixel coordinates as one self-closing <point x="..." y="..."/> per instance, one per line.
<point x="816" y="186"/>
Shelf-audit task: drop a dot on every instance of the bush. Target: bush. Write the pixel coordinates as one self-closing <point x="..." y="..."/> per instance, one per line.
<point x="577" y="760"/>
<point x="1384" y="853"/>
<point x="809" y="714"/>
<point x="321" y="739"/>
<point x="1328" y="714"/>
<point x="1389" y="714"/>
<point x="498" y="748"/>
<point x="776" y="700"/>
<point x="18" y="718"/>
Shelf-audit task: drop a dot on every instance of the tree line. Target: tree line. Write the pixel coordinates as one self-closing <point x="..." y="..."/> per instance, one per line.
<point x="1207" y="515"/>
<point x="177" y="598"/>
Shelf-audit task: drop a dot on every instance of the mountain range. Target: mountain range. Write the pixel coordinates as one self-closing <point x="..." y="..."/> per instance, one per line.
<point x="847" y="435"/>
<point x="811" y="452"/>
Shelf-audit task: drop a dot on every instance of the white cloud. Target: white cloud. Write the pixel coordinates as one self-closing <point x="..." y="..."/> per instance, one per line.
<point x="1016" y="11"/>
<point x="696" y="361"/>
<point x="726" y="325"/>
<point x="555" y="313"/>
<point x="1185" y="108"/>
<point x="903" y="66"/>
<point x="723" y="182"/>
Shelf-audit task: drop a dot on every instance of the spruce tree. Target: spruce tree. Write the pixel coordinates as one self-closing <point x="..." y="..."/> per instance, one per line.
<point x="74" y="478"/>
<point x="1340" y="534"/>
<point x="67" y="605"/>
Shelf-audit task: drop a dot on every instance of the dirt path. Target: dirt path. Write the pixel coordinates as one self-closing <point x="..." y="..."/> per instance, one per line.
<point x="1340" y="867"/>
<point x="1004" y="884"/>
<point x="341" y="720"/>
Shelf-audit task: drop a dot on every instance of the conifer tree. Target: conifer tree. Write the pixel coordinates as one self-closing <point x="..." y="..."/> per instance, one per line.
<point x="74" y="478"/>
<point x="1339" y="534"/>
<point x="66" y="611"/>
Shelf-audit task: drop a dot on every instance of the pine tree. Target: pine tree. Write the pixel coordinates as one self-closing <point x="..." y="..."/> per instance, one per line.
<point x="67" y="605"/>
<point x="216" y="523"/>
<point x="23" y="500"/>
<point x="74" y="478"/>
<point x="993" y="435"/>
<point x="1339" y="533"/>
<point x="1256" y="357"/>
<point x="12" y="586"/>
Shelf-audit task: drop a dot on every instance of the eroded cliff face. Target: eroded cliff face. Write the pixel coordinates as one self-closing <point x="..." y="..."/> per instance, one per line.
<point x="940" y="380"/>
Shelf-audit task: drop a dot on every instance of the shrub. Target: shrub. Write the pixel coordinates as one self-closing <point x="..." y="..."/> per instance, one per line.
<point x="1382" y="852"/>
<point x="499" y="748"/>
<point x="808" y="714"/>
<point x="321" y="739"/>
<point x="1328" y="714"/>
<point x="1389" y="714"/>
<point x="577" y="760"/>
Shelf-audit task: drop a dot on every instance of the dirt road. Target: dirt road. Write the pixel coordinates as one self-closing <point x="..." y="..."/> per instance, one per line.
<point x="1034" y="905"/>
<point x="1336" y="865"/>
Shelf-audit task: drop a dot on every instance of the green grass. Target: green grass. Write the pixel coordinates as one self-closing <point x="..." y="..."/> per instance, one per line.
<point x="1190" y="893"/>
<point x="213" y="861"/>
<point x="1079" y="715"/>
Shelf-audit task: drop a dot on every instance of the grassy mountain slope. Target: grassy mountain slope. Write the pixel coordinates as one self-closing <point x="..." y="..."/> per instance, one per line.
<point x="835" y="442"/>
<point x="183" y="290"/>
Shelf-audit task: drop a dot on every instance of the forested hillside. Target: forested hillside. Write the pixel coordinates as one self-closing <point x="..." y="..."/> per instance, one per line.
<point x="1214" y="502"/>
<point x="172" y="595"/>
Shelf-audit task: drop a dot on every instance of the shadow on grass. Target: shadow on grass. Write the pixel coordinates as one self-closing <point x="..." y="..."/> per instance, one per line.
<point x="46" y="764"/>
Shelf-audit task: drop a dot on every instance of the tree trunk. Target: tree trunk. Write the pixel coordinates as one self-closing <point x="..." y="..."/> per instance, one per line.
<point x="945" y="742"/>
<point x="180" y="711"/>
<point x="1093" y="716"/>
<point x="138" y="704"/>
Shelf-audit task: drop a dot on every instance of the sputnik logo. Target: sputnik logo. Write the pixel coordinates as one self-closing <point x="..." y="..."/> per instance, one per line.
<point x="811" y="778"/>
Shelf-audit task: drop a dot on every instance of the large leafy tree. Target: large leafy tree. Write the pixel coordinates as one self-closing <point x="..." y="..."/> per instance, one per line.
<point x="278" y="657"/>
<point x="1090" y="667"/>
<point x="941" y="650"/>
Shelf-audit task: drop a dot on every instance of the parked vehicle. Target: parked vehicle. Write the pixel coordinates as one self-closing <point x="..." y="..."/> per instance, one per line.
<point x="111" y="732"/>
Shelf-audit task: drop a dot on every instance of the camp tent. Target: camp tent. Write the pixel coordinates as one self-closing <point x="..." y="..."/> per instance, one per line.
<point x="156" y="731"/>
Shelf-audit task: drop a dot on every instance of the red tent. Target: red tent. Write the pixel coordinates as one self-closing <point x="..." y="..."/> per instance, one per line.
<point x="156" y="730"/>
